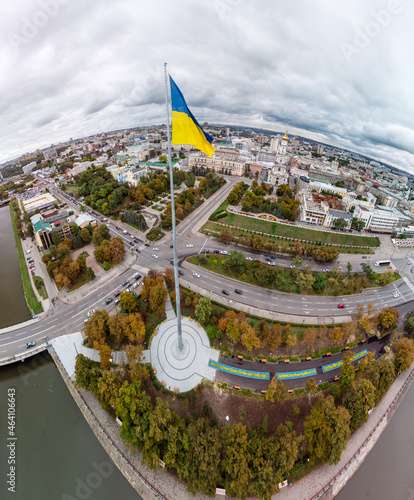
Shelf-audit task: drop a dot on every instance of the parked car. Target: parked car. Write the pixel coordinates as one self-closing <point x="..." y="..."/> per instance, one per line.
<point x="273" y="257"/>
<point x="125" y="283"/>
<point x="91" y="312"/>
<point x="224" y="252"/>
<point x="132" y="243"/>
<point x="341" y="306"/>
<point x="216" y="251"/>
<point x="190" y="245"/>
<point x="249" y="258"/>
<point x="109" y="300"/>
<point x="155" y="256"/>
<point x="240" y="292"/>
<point x="155" y="249"/>
<point x="268" y="259"/>
<point x="117" y="294"/>
<point x="117" y="301"/>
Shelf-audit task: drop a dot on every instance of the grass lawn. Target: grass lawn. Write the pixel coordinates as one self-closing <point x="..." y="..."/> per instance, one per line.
<point x="32" y="302"/>
<point x="283" y="279"/>
<point x="299" y="233"/>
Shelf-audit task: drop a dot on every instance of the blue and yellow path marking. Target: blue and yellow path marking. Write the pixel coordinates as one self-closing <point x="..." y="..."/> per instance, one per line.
<point x="338" y="364"/>
<point x="239" y="371"/>
<point x="292" y="375"/>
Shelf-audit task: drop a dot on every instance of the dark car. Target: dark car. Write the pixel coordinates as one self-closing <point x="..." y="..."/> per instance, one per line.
<point x="268" y="259"/>
<point x="116" y="227"/>
<point x="226" y="292"/>
<point x="109" y="300"/>
<point x="240" y="292"/>
<point x="138" y="276"/>
<point x="171" y="246"/>
<point x="273" y="257"/>
<point x="180" y="272"/>
<point x="207" y="250"/>
<point x="146" y="244"/>
<point x="216" y="251"/>
<point x="132" y="243"/>
<point x="172" y="262"/>
<point x="138" y="250"/>
<point x="32" y="343"/>
<point x="117" y="294"/>
<point x="125" y="283"/>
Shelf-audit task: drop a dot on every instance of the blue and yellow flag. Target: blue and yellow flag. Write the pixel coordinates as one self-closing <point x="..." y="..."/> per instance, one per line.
<point x="185" y="128"/>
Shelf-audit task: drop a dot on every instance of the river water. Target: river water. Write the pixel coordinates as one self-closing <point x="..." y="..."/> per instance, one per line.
<point x="57" y="455"/>
<point x="13" y="308"/>
<point x="388" y="473"/>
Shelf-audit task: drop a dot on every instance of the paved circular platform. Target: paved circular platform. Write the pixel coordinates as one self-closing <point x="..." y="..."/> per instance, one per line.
<point x="181" y="371"/>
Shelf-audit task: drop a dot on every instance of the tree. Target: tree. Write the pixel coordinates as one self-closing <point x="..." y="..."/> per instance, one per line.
<point x="358" y="401"/>
<point x="108" y="388"/>
<point x="162" y="159"/>
<point x="320" y="282"/>
<point x="349" y="268"/>
<point x="236" y="460"/>
<point x="105" y="354"/>
<point x="404" y="354"/>
<point x="277" y="390"/>
<point x="117" y="249"/>
<point x="236" y="258"/>
<point x="85" y="235"/>
<point x="347" y="371"/>
<point x="367" y="269"/>
<point x="311" y="386"/>
<point x="96" y="328"/>
<point x="86" y="373"/>
<point x="128" y="302"/>
<point x="291" y="340"/>
<point x="336" y="334"/>
<point x="388" y="318"/>
<point x="72" y="271"/>
<point x="272" y="336"/>
<point x="327" y="431"/>
<point x="309" y="337"/>
<point x="104" y="232"/>
<point x="81" y="260"/>
<point x="204" y="454"/>
<point x="158" y="298"/>
<point x="340" y="223"/>
<point x="408" y="327"/>
<point x="57" y="238"/>
<point x="203" y="310"/>
<point x="249" y="337"/>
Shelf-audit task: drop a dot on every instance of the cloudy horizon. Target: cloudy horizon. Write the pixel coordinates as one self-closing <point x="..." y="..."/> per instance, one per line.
<point x="339" y="74"/>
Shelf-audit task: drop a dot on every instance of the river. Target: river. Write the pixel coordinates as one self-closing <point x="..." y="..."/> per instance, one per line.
<point x="57" y="455"/>
<point x="13" y="308"/>
<point x="387" y="472"/>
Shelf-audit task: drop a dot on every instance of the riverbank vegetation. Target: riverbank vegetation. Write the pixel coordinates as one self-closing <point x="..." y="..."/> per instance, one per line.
<point x="33" y="304"/>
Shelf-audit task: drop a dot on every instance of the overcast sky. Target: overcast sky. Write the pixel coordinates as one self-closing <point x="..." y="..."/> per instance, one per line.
<point x="342" y="71"/>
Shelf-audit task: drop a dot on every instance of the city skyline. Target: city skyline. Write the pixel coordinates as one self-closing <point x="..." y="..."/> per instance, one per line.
<point x="335" y="74"/>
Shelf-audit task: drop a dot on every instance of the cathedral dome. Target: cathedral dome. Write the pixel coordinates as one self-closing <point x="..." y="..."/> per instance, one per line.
<point x="285" y="137"/>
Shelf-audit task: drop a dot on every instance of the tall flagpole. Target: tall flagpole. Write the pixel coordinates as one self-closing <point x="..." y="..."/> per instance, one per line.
<point x="177" y="284"/>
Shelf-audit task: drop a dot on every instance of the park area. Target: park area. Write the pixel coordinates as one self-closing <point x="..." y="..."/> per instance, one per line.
<point x="240" y="224"/>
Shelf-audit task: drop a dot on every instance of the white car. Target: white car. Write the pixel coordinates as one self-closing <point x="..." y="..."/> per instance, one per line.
<point x="223" y="252"/>
<point x="196" y="275"/>
<point x="91" y="312"/>
<point x="155" y="249"/>
<point x="155" y="256"/>
<point x="190" y="245"/>
<point x="249" y="258"/>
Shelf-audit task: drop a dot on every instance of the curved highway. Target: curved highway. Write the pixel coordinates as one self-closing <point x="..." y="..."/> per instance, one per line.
<point x="64" y="318"/>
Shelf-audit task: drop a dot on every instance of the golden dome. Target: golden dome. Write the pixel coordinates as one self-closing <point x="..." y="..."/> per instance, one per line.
<point x="285" y="137"/>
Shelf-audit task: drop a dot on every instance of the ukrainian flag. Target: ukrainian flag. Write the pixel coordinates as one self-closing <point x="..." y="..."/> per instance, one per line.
<point x="185" y="128"/>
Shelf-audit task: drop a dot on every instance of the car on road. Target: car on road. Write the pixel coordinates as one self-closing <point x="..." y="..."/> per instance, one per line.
<point x="240" y="292"/>
<point x="125" y="283"/>
<point x="172" y="262"/>
<point x="117" y="294"/>
<point x="268" y="259"/>
<point x="224" y="252"/>
<point x="181" y="273"/>
<point x="109" y="300"/>
<point x="137" y="276"/>
<point x="396" y="294"/>
<point x="155" y="249"/>
<point x="339" y="267"/>
<point x="273" y="257"/>
<point x="132" y="243"/>
<point x="190" y="245"/>
<point x="196" y="275"/>
<point x="216" y="251"/>
<point x="155" y="256"/>
<point x="138" y="250"/>
<point x="91" y="312"/>
<point x="136" y="241"/>
<point x="226" y="292"/>
<point x="32" y="343"/>
<point x="292" y="266"/>
<point x="171" y="246"/>
<point x="116" y="227"/>
<point x="249" y="258"/>
<point x="341" y="306"/>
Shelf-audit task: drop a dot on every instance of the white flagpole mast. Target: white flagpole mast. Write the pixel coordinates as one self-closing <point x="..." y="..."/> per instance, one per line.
<point x="177" y="284"/>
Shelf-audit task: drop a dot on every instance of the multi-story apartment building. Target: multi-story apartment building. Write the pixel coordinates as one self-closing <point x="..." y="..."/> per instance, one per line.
<point x="377" y="220"/>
